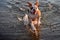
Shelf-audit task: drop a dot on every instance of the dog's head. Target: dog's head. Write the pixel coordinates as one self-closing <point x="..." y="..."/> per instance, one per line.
<point x="33" y="7"/>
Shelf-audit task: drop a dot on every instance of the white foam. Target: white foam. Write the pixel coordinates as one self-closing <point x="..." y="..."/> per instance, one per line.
<point x="9" y="6"/>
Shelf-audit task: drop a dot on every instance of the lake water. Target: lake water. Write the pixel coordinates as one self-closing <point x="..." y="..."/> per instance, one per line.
<point x="12" y="29"/>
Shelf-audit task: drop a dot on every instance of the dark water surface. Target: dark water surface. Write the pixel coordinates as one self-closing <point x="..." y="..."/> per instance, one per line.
<point x="12" y="29"/>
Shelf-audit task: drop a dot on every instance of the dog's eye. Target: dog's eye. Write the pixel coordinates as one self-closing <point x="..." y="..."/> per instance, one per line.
<point x="31" y="8"/>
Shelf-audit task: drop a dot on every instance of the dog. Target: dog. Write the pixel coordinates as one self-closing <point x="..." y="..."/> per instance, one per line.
<point x="35" y="13"/>
<point x="33" y="18"/>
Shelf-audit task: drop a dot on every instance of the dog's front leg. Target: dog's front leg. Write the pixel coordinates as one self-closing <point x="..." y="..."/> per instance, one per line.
<point x="34" y="30"/>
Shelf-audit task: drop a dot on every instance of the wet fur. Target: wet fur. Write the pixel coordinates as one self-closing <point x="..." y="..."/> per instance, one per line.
<point x="35" y="30"/>
<point x="36" y="26"/>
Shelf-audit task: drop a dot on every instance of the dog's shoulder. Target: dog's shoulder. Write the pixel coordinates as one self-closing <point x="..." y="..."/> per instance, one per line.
<point x="39" y="12"/>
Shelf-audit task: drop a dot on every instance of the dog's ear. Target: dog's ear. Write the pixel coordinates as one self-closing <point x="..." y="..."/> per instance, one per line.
<point x="37" y="3"/>
<point x="29" y="4"/>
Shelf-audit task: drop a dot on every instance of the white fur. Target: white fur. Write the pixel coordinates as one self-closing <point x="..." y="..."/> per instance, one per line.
<point x="25" y="19"/>
<point x="26" y="22"/>
<point x="20" y="19"/>
<point x="32" y="26"/>
<point x="39" y="22"/>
